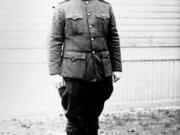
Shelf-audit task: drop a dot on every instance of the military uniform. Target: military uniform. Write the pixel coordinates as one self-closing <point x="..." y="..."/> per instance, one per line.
<point x="83" y="47"/>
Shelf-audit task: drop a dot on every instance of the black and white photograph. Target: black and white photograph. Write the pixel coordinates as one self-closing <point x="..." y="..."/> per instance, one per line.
<point x="89" y="67"/>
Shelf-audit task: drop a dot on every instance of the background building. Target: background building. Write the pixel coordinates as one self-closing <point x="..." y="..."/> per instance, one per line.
<point x="150" y="43"/>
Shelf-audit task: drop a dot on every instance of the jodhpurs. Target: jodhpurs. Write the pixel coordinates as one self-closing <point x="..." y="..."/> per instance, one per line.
<point x="83" y="102"/>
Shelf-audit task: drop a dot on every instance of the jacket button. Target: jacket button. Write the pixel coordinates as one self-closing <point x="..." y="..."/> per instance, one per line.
<point x="88" y="14"/>
<point x="92" y="39"/>
<point x="90" y="26"/>
<point x="93" y="52"/>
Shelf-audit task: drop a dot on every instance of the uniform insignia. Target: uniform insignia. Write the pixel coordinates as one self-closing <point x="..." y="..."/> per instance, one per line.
<point x="104" y="1"/>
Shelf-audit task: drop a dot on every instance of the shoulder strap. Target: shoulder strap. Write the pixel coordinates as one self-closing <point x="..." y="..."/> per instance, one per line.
<point x="60" y="2"/>
<point x="104" y="1"/>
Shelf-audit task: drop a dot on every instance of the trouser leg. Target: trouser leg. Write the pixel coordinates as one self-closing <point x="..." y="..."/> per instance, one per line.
<point x="91" y="127"/>
<point x="74" y="108"/>
<point x="74" y="127"/>
<point x="83" y="127"/>
<point x="83" y="103"/>
<point x="80" y="120"/>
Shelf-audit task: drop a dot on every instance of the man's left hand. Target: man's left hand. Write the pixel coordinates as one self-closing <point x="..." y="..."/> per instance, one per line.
<point x="116" y="75"/>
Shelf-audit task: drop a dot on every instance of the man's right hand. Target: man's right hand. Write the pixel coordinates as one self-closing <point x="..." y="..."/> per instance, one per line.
<point x="57" y="81"/>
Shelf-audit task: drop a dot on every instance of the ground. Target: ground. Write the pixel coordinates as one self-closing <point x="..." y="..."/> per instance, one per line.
<point x="129" y="122"/>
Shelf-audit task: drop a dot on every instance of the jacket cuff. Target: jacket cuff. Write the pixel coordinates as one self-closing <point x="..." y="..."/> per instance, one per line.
<point x="117" y="68"/>
<point x="54" y="71"/>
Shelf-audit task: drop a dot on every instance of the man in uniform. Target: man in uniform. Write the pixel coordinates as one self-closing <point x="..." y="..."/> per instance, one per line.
<point x="84" y="60"/>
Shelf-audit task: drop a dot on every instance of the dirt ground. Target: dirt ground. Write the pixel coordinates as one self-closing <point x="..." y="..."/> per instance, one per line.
<point x="129" y="122"/>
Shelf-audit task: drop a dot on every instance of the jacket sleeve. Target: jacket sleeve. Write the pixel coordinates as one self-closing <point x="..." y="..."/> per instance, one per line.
<point x="55" y="41"/>
<point x="114" y="43"/>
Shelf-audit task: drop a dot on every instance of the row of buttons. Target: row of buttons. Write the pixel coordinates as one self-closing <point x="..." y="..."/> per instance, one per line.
<point x="92" y="39"/>
<point x="90" y="26"/>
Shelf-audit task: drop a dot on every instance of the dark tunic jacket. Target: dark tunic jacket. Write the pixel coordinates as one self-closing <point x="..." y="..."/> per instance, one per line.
<point x="83" y="42"/>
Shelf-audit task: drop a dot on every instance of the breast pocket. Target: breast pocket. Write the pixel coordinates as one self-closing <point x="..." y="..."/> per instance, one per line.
<point x="74" y="24"/>
<point x="102" y="22"/>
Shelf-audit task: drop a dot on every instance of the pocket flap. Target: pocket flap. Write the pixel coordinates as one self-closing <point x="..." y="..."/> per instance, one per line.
<point x="75" y="55"/>
<point x="105" y="54"/>
<point x="103" y="16"/>
<point x="74" y="16"/>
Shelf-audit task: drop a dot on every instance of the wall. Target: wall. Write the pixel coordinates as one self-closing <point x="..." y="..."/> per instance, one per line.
<point x="150" y="45"/>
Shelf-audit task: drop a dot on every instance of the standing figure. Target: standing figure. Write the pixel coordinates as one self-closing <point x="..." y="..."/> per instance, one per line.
<point x="84" y="60"/>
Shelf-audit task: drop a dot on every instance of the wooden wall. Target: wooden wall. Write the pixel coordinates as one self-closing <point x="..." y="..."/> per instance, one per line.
<point x="150" y="43"/>
<point x="148" y="23"/>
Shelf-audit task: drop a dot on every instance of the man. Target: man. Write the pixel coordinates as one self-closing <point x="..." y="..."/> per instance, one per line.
<point x="84" y="60"/>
